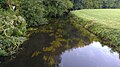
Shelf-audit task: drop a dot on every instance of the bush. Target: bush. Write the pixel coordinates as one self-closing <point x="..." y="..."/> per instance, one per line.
<point x="12" y="32"/>
<point x="36" y="12"/>
<point x="56" y="8"/>
<point x="3" y="4"/>
<point x="33" y="12"/>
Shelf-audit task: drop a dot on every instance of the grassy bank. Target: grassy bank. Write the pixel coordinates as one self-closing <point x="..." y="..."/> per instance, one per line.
<point x="105" y="23"/>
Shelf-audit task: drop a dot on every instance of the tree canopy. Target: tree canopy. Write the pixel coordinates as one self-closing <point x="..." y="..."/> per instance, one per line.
<point x="95" y="4"/>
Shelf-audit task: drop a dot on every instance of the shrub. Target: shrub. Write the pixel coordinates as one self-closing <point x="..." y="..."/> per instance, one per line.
<point x="12" y="32"/>
<point x="56" y="8"/>
<point x="33" y="12"/>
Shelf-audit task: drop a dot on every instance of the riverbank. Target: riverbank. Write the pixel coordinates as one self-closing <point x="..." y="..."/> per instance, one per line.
<point x="104" y="23"/>
<point x="48" y="41"/>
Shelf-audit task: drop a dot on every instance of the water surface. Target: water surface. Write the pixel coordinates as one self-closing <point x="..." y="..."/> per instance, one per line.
<point x="93" y="55"/>
<point x="65" y="46"/>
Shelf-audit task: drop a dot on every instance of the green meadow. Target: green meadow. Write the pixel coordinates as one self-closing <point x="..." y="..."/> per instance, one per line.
<point x="104" y="23"/>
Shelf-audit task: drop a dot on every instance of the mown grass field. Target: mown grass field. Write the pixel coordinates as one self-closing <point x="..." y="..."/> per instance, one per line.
<point x="102" y="22"/>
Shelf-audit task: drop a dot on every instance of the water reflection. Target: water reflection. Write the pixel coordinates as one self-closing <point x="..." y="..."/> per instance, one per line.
<point x="63" y="46"/>
<point x="93" y="55"/>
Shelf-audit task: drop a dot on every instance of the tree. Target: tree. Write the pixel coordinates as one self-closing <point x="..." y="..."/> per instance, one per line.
<point x="14" y="14"/>
<point x="56" y="8"/>
<point x="85" y="4"/>
<point x="95" y="4"/>
<point x="33" y="12"/>
<point x="36" y="12"/>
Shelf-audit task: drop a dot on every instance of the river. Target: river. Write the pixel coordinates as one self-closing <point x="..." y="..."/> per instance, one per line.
<point x="65" y="46"/>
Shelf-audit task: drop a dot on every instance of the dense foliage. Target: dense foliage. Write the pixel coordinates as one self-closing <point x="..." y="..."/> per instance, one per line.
<point x="16" y="15"/>
<point x="55" y="8"/>
<point x="33" y="11"/>
<point x="36" y="12"/>
<point x="12" y="32"/>
<point x="95" y="4"/>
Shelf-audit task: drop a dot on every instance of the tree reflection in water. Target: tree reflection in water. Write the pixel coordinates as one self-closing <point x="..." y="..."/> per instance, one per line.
<point x="44" y="48"/>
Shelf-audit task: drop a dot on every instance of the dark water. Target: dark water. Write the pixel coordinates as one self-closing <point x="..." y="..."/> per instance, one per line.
<point x="63" y="47"/>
